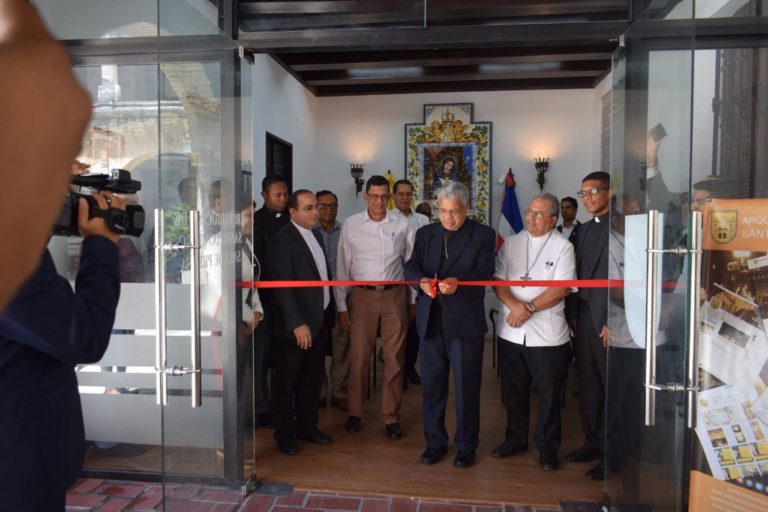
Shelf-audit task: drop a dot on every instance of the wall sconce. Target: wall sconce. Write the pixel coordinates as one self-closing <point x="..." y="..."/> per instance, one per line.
<point x="542" y="166"/>
<point x="356" y="170"/>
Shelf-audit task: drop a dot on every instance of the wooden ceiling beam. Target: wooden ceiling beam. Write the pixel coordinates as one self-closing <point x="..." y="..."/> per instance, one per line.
<point x="361" y="63"/>
<point x="412" y="38"/>
<point x="462" y="77"/>
<point x="492" y="85"/>
<point x="504" y="8"/>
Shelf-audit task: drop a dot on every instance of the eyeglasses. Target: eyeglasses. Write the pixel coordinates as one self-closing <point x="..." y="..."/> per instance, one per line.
<point x="448" y="213"/>
<point x="702" y="201"/>
<point x="327" y="206"/>
<point x="379" y="197"/>
<point x="591" y="191"/>
<point x="537" y="215"/>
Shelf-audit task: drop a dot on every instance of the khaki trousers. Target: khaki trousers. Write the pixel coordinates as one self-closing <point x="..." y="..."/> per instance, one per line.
<point x="366" y="309"/>
<point x="340" y="362"/>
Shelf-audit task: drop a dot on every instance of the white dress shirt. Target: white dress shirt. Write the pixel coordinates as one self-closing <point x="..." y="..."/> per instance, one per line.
<point x="215" y="262"/>
<point x="567" y="230"/>
<point x="372" y="250"/>
<point x="617" y="318"/>
<point x="319" y="256"/>
<point x="415" y="220"/>
<point x="548" y="327"/>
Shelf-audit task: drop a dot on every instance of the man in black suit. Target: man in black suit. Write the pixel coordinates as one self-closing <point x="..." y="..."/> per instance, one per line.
<point x="45" y="331"/>
<point x="450" y="319"/>
<point x="300" y="321"/>
<point x="590" y="314"/>
<point x="267" y="221"/>
<point x="568" y="209"/>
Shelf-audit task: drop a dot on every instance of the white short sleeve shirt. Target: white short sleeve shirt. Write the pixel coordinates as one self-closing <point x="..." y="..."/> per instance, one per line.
<point x="556" y="261"/>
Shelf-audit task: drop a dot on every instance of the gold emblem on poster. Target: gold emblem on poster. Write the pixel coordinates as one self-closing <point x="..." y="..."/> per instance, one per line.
<point x="722" y="226"/>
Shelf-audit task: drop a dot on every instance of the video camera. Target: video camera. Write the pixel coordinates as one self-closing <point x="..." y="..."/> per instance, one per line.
<point x="128" y="222"/>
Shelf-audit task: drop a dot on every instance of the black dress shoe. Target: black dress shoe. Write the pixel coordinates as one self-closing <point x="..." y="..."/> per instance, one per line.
<point x="507" y="449"/>
<point x="433" y="455"/>
<point x="353" y="424"/>
<point x="583" y="454"/>
<point x="287" y="445"/>
<point x="394" y="432"/>
<point x="548" y="463"/>
<point x="314" y="436"/>
<point x="464" y="459"/>
<point x="597" y="472"/>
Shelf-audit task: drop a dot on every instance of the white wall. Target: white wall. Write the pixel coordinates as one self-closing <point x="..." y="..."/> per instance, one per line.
<point x="283" y="107"/>
<point x="329" y="133"/>
<point x="371" y="130"/>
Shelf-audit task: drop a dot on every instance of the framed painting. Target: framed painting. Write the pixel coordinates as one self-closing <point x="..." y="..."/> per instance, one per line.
<point x="450" y="146"/>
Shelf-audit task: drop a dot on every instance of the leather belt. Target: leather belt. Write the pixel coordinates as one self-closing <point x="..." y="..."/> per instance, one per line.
<point x="379" y="288"/>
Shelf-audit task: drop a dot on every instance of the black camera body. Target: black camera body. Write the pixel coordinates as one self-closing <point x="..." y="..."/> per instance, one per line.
<point x="128" y="222"/>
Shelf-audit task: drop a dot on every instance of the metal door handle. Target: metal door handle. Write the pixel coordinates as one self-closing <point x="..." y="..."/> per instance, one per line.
<point x="651" y="266"/>
<point x="196" y="373"/>
<point x="160" y="327"/>
<point x="161" y="364"/>
<point x="694" y="278"/>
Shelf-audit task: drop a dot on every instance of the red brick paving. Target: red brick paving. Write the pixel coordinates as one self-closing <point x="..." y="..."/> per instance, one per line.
<point x="112" y="495"/>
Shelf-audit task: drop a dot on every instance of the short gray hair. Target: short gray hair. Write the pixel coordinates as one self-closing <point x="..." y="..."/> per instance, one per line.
<point x="554" y="203"/>
<point x="454" y="190"/>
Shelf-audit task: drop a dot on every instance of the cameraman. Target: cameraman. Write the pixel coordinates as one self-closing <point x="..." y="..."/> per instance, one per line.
<point x="44" y="114"/>
<point x="44" y="332"/>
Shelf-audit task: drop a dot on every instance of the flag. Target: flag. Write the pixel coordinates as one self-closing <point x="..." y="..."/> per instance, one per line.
<point x="391" y="180"/>
<point x="511" y="221"/>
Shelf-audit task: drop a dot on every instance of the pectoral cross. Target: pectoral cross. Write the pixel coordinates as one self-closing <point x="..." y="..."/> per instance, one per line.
<point x="526" y="277"/>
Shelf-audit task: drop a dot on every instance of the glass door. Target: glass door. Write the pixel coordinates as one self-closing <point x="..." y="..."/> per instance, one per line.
<point x="645" y="415"/>
<point x="205" y="343"/>
<point x="688" y="358"/>
<point x="171" y="400"/>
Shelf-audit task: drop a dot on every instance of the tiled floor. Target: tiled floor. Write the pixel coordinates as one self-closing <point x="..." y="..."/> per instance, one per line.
<point x="114" y="495"/>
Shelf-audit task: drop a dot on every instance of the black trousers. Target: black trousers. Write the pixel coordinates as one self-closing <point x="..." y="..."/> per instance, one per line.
<point x="296" y="379"/>
<point x="624" y="407"/>
<point x="438" y="355"/>
<point x="590" y="364"/>
<point x="411" y="348"/>
<point x="546" y="368"/>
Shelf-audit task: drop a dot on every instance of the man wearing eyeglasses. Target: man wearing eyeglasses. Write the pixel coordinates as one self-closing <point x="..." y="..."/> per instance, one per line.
<point x="534" y="337"/>
<point x="330" y="230"/>
<point x="590" y="314"/>
<point x="373" y="246"/>
<point x="450" y="319"/>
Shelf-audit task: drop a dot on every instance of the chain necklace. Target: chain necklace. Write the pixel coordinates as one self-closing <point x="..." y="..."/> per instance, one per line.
<point x="527" y="276"/>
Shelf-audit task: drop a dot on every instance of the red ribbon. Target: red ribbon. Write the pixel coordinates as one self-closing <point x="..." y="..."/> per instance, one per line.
<point x="567" y="283"/>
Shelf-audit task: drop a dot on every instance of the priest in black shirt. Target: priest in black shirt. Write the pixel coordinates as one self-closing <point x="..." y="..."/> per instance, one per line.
<point x="272" y="216"/>
<point x="266" y="222"/>
<point x="590" y="313"/>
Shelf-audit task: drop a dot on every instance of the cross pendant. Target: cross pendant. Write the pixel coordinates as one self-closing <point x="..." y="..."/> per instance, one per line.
<point x="526" y="277"/>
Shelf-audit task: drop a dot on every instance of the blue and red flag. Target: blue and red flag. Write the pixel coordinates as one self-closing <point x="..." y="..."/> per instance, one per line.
<point x="511" y="221"/>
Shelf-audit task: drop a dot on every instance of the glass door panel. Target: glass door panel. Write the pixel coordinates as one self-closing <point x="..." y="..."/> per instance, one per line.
<point x="122" y="419"/>
<point x="650" y="166"/>
<point x="206" y="348"/>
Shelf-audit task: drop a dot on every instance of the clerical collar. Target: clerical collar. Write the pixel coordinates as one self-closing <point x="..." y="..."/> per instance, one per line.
<point x="602" y="218"/>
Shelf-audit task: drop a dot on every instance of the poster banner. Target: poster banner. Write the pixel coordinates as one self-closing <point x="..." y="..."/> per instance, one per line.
<point x="730" y="470"/>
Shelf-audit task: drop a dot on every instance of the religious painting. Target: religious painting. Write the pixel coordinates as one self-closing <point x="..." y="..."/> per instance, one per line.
<point x="450" y="146"/>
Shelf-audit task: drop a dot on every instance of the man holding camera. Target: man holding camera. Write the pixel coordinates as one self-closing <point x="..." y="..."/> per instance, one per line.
<point x="45" y="112"/>
<point x="45" y="331"/>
